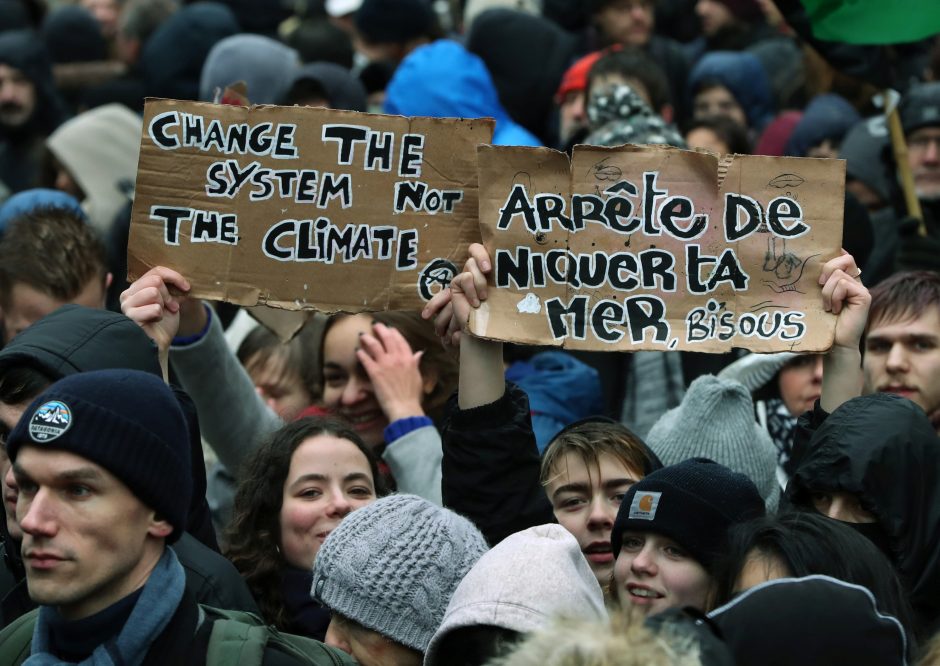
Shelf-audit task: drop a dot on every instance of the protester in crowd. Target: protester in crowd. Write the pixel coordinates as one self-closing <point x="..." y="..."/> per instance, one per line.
<point x="899" y="245"/>
<point x="902" y="340"/>
<point x="33" y="199"/>
<point x="847" y="467"/>
<point x="445" y="80"/>
<point x="30" y="108"/>
<point x="138" y="20"/>
<point x="718" y="134"/>
<point x="503" y="598"/>
<point x="526" y="56"/>
<point x="815" y="620"/>
<point x="731" y="84"/>
<point x="94" y="157"/>
<point x="783" y="386"/>
<point x="387" y="574"/>
<point x="716" y="421"/>
<point x="671" y="532"/>
<point x="97" y="524"/>
<point x="320" y="39"/>
<point x="640" y="72"/>
<point x="388" y="30"/>
<point x="106" y="13"/>
<point x="631" y="23"/>
<point x="801" y="543"/>
<point x="328" y="85"/>
<point x="286" y="375"/>
<point x="773" y="140"/>
<point x="293" y="491"/>
<point x="824" y="124"/>
<point x="618" y="115"/>
<point x="172" y="59"/>
<point x="49" y="257"/>
<point x="389" y="392"/>
<point x="264" y="64"/>
<point x="865" y="173"/>
<point x="72" y="35"/>
<point x="570" y="98"/>
<point x="77" y="339"/>
<point x="585" y="472"/>
<point x="729" y="25"/>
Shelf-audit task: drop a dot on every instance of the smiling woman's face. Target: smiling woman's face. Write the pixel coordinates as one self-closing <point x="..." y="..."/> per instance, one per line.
<point x="654" y="573"/>
<point x="328" y="478"/>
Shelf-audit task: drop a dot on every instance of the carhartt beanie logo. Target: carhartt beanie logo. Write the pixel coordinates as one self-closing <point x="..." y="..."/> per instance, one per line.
<point x="50" y="421"/>
<point x="127" y="421"/>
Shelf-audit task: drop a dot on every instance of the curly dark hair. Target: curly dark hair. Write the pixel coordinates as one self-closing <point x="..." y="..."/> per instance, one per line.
<point x="253" y="539"/>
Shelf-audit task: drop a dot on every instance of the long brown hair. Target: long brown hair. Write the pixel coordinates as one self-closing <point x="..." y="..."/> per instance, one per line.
<point x="254" y="537"/>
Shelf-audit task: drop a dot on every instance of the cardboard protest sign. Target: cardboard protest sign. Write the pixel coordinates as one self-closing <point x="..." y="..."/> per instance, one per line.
<point x="651" y="247"/>
<point x="304" y="208"/>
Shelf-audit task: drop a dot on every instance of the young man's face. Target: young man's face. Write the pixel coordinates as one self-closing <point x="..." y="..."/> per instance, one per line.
<point x="585" y="502"/>
<point x="88" y="541"/>
<point x="627" y="22"/>
<point x="923" y="154"/>
<point x="28" y="305"/>
<point x="902" y="356"/>
<point x="17" y="97"/>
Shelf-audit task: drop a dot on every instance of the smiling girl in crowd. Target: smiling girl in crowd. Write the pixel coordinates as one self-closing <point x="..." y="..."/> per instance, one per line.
<point x="671" y="530"/>
<point x="294" y="491"/>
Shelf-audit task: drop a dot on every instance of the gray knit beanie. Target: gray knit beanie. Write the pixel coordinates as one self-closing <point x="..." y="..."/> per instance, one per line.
<point x="392" y="566"/>
<point x="716" y="421"/>
<point x="755" y="370"/>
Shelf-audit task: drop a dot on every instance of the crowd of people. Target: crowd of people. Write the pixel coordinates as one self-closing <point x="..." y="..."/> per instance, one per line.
<point x="181" y="486"/>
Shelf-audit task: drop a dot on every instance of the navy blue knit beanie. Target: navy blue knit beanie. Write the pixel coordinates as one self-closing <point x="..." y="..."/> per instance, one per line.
<point x="394" y="21"/>
<point x="127" y="421"/>
<point x="693" y="503"/>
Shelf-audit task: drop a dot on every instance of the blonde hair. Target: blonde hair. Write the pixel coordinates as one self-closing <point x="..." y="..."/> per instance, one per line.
<point x="623" y="640"/>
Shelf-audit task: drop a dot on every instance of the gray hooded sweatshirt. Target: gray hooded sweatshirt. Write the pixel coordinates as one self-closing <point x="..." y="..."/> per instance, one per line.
<point x="521" y="583"/>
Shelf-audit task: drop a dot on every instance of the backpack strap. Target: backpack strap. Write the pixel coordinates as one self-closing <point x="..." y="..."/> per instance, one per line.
<point x="236" y="638"/>
<point x="16" y="639"/>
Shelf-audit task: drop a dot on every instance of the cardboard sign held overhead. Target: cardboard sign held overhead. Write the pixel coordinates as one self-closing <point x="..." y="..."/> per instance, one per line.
<point x="304" y="208"/>
<point x="651" y="247"/>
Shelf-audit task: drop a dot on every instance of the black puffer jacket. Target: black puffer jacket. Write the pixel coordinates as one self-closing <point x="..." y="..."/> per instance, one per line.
<point x="882" y="449"/>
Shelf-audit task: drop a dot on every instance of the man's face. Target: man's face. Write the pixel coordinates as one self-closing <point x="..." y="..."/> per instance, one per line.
<point x="923" y="154"/>
<point x="9" y="415"/>
<point x="17" y="97"/>
<point x="27" y="304"/>
<point x="627" y="22"/>
<point x="718" y="101"/>
<point x="902" y="356"/>
<point x="88" y="541"/>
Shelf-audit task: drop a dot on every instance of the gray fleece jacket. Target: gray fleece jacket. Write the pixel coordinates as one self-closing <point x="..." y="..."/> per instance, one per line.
<point x="234" y="419"/>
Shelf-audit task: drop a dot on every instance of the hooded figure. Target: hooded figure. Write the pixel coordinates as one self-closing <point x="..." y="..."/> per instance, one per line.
<point x="72" y="34"/>
<point x="172" y="58"/>
<point x="99" y="149"/>
<point x="342" y="89"/>
<point x="862" y="149"/>
<point x="619" y="115"/>
<point x="21" y="143"/>
<point x="527" y="56"/>
<point x="744" y="76"/>
<point x="881" y="449"/>
<point x="516" y="588"/>
<point x="811" y="621"/>
<point x="827" y="118"/>
<point x="444" y="80"/>
<point x="266" y="65"/>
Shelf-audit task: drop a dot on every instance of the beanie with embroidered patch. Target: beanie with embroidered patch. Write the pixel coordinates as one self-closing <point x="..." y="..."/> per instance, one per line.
<point x="716" y="421"/>
<point x="393" y="565"/>
<point x="128" y="422"/>
<point x="694" y="503"/>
